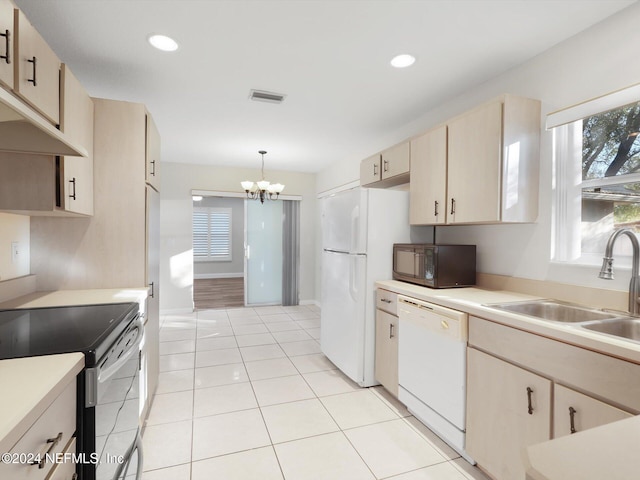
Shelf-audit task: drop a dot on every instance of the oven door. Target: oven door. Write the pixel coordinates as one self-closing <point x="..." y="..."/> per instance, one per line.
<point x="118" y="406"/>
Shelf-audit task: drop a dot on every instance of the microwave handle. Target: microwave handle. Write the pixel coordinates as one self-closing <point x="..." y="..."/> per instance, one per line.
<point x="418" y="264"/>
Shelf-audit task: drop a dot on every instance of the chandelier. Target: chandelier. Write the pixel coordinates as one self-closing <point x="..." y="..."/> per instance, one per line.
<point x="262" y="190"/>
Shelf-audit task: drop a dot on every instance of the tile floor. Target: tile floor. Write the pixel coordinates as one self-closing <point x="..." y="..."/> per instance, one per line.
<point x="246" y="394"/>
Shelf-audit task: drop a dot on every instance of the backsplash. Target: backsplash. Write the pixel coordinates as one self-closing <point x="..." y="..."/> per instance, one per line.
<point x="14" y="235"/>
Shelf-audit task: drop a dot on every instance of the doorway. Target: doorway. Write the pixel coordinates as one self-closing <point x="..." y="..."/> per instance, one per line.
<point x="218" y="252"/>
<point x="245" y="253"/>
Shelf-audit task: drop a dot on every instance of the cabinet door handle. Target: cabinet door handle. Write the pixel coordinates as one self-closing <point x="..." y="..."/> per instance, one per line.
<point x="391" y="334"/>
<point x="385" y="165"/>
<point x="33" y="80"/>
<point x="572" y="416"/>
<point x="153" y="169"/>
<point x="53" y="441"/>
<point x="375" y="169"/>
<point x="6" y="57"/>
<point x="73" y="182"/>
<point x="529" y="392"/>
<point x="152" y="289"/>
<point x="435" y="208"/>
<point x="453" y="206"/>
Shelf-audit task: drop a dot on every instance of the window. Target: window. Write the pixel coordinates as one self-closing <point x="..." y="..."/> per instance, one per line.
<point x="597" y="178"/>
<point x="211" y="234"/>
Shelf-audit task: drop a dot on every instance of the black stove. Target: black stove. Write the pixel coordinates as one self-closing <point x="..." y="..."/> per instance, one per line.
<point x="52" y="330"/>
<point x="109" y="336"/>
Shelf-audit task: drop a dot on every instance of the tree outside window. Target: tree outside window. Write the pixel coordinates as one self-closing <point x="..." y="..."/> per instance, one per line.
<point x="610" y="175"/>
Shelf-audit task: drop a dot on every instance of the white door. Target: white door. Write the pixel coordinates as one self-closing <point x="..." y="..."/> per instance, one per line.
<point x="342" y="323"/>
<point x="263" y="253"/>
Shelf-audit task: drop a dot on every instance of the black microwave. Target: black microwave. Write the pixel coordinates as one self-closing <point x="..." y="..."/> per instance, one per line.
<point x="435" y="266"/>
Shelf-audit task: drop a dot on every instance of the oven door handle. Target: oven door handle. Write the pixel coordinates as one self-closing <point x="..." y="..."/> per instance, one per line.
<point x="134" y="348"/>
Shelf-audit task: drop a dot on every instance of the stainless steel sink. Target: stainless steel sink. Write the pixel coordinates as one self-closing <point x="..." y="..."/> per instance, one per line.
<point x="554" y="310"/>
<point x="628" y="328"/>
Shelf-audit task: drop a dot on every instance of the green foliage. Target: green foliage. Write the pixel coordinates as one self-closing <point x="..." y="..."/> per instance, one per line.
<point x="626" y="213"/>
<point x="610" y="143"/>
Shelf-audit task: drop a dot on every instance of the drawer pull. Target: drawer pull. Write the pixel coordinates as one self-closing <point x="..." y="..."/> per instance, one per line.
<point x="529" y="392"/>
<point x="572" y="415"/>
<point x="6" y="57"/>
<point x="444" y="324"/>
<point x="33" y="80"/>
<point x="53" y="441"/>
<point x="385" y="300"/>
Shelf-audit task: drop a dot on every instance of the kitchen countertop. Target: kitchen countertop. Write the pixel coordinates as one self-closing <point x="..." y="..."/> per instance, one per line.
<point x="60" y="298"/>
<point x="29" y="385"/>
<point x="471" y="300"/>
<point x="609" y="451"/>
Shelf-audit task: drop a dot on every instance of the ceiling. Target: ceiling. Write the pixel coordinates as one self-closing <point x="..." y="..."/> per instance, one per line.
<point x="331" y="59"/>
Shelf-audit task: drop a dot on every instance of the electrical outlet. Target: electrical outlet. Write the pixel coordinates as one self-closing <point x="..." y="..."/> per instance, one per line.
<point x="15" y="252"/>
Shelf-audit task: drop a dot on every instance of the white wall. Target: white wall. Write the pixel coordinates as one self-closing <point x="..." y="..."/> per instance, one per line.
<point x="595" y="62"/>
<point x="176" y="258"/>
<point x="14" y="228"/>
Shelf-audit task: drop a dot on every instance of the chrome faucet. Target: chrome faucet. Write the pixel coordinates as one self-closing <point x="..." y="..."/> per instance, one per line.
<point x="606" y="272"/>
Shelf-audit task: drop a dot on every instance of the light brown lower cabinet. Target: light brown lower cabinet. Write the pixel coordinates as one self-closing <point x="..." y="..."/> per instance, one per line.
<point x="508" y="408"/>
<point x="574" y="412"/>
<point x="386" y="362"/>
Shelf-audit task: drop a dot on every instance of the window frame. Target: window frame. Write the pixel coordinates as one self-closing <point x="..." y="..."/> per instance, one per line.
<point x="210" y="211"/>
<point x="566" y="128"/>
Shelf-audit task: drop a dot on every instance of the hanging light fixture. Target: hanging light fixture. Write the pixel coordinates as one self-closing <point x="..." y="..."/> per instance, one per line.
<point x="262" y="190"/>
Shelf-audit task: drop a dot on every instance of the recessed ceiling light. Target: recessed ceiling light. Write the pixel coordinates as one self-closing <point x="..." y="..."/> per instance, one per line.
<point x="402" y="61"/>
<point x="164" y="43"/>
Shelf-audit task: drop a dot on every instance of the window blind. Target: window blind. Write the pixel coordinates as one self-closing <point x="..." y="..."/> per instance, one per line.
<point x="212" y="233"/>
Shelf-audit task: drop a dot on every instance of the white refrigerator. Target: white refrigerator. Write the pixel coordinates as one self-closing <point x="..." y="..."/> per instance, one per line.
<point x="359" y="228"/>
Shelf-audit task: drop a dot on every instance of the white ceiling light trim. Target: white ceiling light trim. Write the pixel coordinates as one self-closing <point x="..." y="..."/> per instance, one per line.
<point x="162" y="42"/>
<point x="403" y="61"/>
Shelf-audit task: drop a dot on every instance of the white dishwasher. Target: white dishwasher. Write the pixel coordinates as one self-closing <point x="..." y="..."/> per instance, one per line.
<point x="432" y="354"/>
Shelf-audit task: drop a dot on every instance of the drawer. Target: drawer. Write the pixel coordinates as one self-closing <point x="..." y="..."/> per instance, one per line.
<point x="67" y="468"/>
<point x="58" y="424"/>
<point x="387" y="301"/>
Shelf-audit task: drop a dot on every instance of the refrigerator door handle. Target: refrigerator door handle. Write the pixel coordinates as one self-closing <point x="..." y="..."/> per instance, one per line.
<point x="353" y="291"/>
<point x="355" y="233"/>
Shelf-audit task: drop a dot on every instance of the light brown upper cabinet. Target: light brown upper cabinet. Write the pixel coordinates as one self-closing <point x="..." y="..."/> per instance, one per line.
<point x="6" y="43"/>
<point x="480" y="167"/>
<point x="386" y="169"/>
<point x="428" y="182"/>
<point x="370" y="170"/>
<point x="76" y="121"/>
<point x="153" y="154"/>
<point x="36" y="70"/>
<point x="492" y="162"/>
<point x="395" y="162"/>
<point x="44" y="185"/>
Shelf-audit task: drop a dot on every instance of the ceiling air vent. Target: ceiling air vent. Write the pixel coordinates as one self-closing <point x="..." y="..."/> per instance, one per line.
<point x="263" y="96"/>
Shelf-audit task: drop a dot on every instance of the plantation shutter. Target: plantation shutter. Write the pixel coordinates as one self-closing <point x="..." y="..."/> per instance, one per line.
<point x="212" y="233"/>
